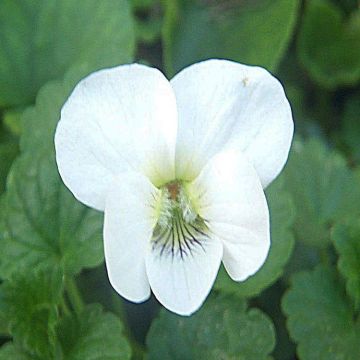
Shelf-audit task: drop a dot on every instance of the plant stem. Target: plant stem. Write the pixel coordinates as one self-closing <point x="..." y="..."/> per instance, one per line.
<point x="74" y="295"/>
<point x="171" y="19"/>
<point x="324" y="256"/>
<point x="64" y="307"/>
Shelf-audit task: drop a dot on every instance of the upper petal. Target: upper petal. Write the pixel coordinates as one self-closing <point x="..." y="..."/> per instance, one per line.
<point x="115" y="120"/>
<point x="222" y="103"/>
<point x="229" y="195"/>
<point x="182" y="281"/>
<point x="128" y="225"/>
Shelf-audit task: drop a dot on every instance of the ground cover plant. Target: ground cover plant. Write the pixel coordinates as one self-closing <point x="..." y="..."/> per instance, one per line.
<point x="56" y="301"/>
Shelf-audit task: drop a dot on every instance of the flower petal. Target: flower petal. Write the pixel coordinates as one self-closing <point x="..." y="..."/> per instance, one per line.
<point x="229" y="195"/>
<point x="116" y="120"/>
<point x="128" y="225"/>
<point x="223" y="103"/>
<point x="182" y="283"/>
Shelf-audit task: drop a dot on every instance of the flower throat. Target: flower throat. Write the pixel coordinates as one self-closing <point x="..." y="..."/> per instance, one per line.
<point x="179" y="230"/>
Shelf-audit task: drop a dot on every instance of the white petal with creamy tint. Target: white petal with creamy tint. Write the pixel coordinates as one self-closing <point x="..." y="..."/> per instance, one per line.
<point x="116" y="120"/>
<point x="128" y="225"/>
<point x="229" y="195"/>
<point x="223" y="103"/>
<point x="182" y="284"/>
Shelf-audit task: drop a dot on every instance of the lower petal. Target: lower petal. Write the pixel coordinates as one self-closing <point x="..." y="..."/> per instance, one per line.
<point x="181" y="282"/>
<point x="128" y="225"/>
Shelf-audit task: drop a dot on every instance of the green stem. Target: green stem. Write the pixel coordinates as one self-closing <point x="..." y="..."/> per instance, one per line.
<point x="170" y="23"/>
<point x="74" y="295"/>
<point x="139" y="351"/>
<point x="324" y="256"/>
<point x="64" y="307"/>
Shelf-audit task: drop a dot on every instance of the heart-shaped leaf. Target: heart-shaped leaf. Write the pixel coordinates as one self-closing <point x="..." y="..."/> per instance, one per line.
<point x="222" y="329"/>
<point x="320" y="318"/>
<point x="328" y="44"/>
<point x="40" y="40"/>
<point x="346" y="238"/>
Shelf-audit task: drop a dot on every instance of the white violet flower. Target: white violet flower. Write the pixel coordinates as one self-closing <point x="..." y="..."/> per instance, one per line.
<point x="179" y="169"/>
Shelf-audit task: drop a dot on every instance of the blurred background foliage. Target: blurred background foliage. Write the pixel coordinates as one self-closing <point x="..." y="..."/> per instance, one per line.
<point x="55" y="299"/>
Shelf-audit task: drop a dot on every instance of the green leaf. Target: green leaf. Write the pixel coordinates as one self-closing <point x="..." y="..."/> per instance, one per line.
<point x="30" y="300"/>
<point x="222" y="329"/>
<point x="45" y="226"/>
<point x="253" y="32"/>
<point x="93" y="335"/>
<point x="304" y="257"/>
<point x="39" y="121"/>
<point x="346" y="239"/>
<point x="282" y="214"/>
<point x="351" y="126"/>
<point x="328" y="44"/>
<point x="320" y="318"/>
<point x="323" y="188"/>
<point x="40" y="40"/>
<point x="9" y="351"/>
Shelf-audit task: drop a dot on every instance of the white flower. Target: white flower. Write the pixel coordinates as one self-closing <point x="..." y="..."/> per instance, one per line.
<point x="178" y="168"/>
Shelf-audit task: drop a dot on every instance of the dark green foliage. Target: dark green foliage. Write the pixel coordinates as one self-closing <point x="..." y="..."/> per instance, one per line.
<point x="323" y="188"/>
<point x="93" y="335"/>
<point x="29" y="302"/>
<point x="41" y="39"/>
<point x="346" y="238"/>
<point x="251" y="32"/>
<point x="328" y="44"/>
<point x="320" y="317"/>
<point x="44" y="225"/>
<point x="223" y="329"/>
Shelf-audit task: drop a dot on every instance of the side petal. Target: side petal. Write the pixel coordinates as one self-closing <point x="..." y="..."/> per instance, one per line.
<point x="223" y="103"/>
<point x="182" y="283"/>
<point x="128" y="225"/>
<point x="229" y="195"/>
<point x="115" y="120"/>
